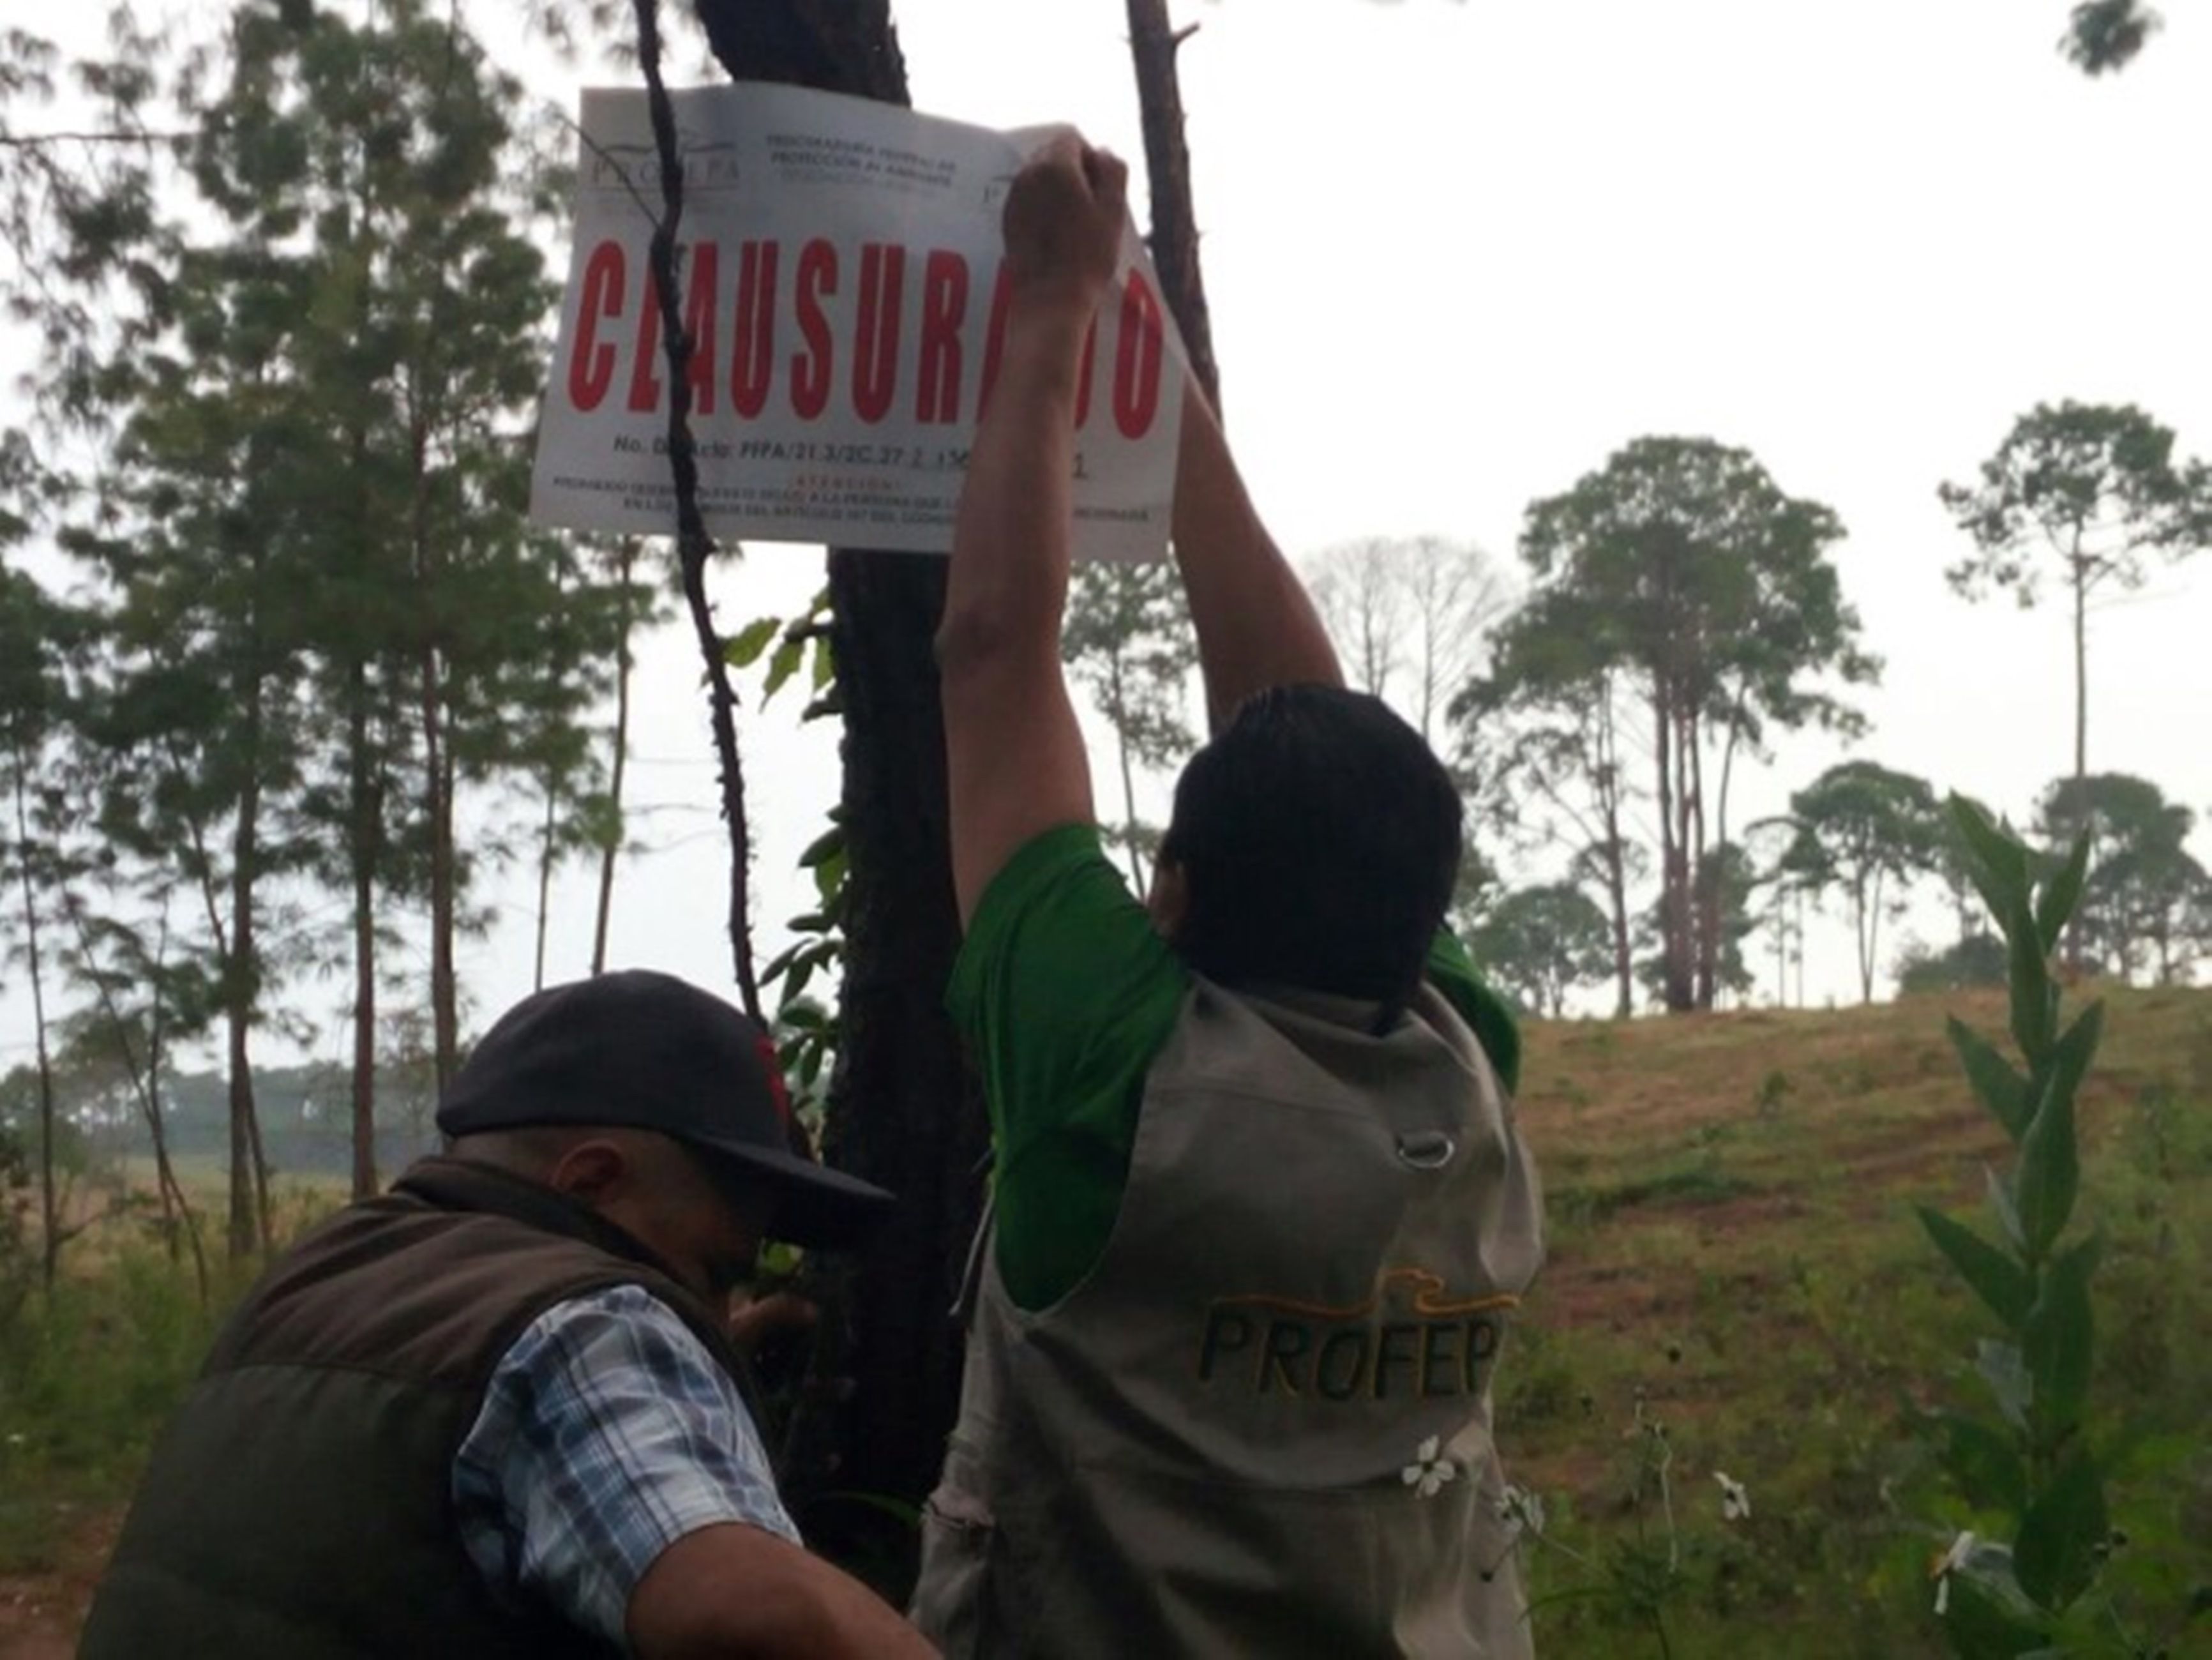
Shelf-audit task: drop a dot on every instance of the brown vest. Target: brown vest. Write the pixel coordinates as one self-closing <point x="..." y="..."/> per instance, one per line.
<point x="1203" y="1450"/>
<point x="299" y="1505"/>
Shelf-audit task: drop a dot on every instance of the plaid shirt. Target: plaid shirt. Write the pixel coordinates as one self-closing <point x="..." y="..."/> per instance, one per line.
<point x="608" y="1432"/>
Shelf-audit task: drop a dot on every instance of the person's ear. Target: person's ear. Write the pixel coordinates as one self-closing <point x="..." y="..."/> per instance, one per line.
<point x="591" y="1172"/>
<point x="1168" y="901"/>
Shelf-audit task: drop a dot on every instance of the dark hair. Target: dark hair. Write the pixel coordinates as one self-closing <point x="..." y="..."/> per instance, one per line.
<point x="1319" y="839"/>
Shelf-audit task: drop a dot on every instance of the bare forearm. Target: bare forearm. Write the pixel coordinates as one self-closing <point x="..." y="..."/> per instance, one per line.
<point x="1256" y="626"/>
<point x="732" y="1592"/>
<point x="1008" y="582"/>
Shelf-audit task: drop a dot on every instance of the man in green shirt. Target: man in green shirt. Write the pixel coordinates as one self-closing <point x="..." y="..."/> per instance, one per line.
<point x="1261" y="1205"/>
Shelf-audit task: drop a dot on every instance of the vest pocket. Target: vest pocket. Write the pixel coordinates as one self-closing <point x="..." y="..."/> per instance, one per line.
<point x="951" y="1597"/>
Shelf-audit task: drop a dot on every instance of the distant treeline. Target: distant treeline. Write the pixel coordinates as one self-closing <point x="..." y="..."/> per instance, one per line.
<point x="305" y="1128"/>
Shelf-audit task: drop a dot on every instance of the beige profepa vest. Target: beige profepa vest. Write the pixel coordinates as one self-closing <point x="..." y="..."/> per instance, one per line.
<point x="1214" y="1446"/>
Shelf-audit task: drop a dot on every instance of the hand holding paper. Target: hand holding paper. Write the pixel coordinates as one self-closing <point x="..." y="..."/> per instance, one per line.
<point x="1064" y="225"/>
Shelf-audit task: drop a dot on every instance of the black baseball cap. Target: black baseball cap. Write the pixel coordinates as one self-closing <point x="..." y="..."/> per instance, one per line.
<point x="649" y="1051"/>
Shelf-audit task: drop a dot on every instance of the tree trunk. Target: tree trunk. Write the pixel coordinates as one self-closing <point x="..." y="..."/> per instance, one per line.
<point x="1624" y="954"/>
<point x="249" y="1174"/>
<point x="50" y="1215"/>
<point x="445" y="1002"/>
<point x="1868" y="917"/>
<point x="1607" y="776"/>
<point x="1174" y="240"/>
<point x="176" y="1215"/>
<point x="1677" y="991"/>
<point x="367" y="815"/>
<point x="902" y="1110"/>
<point x="1709" y="942"/>
<point x="437" y="775"/>
<point x="1706" y="877"/>
<point x="626" y="565"/>
<point x="1128" y="775"/>
<point x="2080" y="571"/>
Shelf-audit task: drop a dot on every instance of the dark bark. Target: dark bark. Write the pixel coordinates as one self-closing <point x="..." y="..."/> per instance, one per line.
<point x="1706" y="877"/>
<point x="1174" y="240"/>
<point x="902" y="1110"/>
<point x="693" y="547"/>
<point x="2080" y="565"/>
<point x="50" y="1214"/>
<point x="626" y="564"/>
<point x="367" y="814"/>
<point x="249" y="1175"/>
<point x="1677" y="991"/>
<point x="444" y="871"/>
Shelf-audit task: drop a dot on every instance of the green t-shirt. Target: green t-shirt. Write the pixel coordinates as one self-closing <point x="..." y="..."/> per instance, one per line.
<point x="1066" y="994"/>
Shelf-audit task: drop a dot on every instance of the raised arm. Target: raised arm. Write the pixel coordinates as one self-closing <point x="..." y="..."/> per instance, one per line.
<point x="1014" y="757"/>
<point x="1256" y="626"/>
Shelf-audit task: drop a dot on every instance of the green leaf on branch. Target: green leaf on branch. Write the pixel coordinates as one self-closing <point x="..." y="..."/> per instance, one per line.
<point x="2057" y="902"/>
<point x="2069" y="1058"/>
<point x="743" y="649"/>
<point x="1981" y="1627"/>
<point x="828" y="880"/>
<point x="1997" y="1279"/>
<point x="825" y="663"/>
<point x="1984" y="1463"/>
<point x="2007" y="1214"/>
<point x="1998" y="861"/>
<point x="2049" y="1175"/>
<point x="2061" y="1537"/>
<point x="2006" y="1373"/>
<point x="2034" y="995"/>
<point x="781" y="665"/>
<point x="2058" y="1340"/>
<point x="1999" y="1084"/>
<point x="831" y="841"/>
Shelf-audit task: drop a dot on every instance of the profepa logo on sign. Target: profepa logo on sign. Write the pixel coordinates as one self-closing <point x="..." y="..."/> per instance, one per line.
<point x="1435" y="1344"/>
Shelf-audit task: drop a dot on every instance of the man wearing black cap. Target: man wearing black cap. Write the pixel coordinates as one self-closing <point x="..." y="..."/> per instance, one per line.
<point x="496" y="1411"/>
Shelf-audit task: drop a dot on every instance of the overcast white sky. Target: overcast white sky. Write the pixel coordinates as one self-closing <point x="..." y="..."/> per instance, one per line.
<point x="1459" y="251"/>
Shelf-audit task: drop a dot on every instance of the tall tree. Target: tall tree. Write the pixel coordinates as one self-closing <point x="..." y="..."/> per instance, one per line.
<point x="1680" y="568"/>
<point x="1128" y="640"/>
<point x="1726" y="872"/>
<point x="450" y="645"/>
<point x="1543" y="746"/>
<point x="1864" y="832"/>
<point x="35" y="633"/>
<point x="1412" y="617"/>
<point x="2106" y="34"/>
<point x="902" y="1112"/>
<point x="2094" y="487"/>
<point x="141" y="1004"/>
<point x="2146" y="901"/>
<point x="1542" y="943"/>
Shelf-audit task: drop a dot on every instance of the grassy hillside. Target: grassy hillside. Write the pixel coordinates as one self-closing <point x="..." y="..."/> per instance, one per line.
<point x="1733" y="1260"/>
<point x="1734" y="1257"/>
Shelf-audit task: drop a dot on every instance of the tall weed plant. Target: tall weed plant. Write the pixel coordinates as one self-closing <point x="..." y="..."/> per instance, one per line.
<point x="2030" y="1573"/>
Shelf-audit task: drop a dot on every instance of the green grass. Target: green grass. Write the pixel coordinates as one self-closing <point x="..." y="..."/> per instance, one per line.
<point x="89" y="1374"/>
<point x="1734" y="1247"/>
<point x="1732" y="1252"/>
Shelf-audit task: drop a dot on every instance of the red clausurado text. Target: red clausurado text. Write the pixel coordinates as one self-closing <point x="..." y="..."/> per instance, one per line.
<point x="817" y="329"/>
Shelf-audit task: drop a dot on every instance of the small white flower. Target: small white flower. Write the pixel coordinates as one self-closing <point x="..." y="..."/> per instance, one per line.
<point x="1429" y="1470"/>
<point x="1522" y="1511"/>
<point x="1736" y="1503"/>
<point x="1948" y="1564"/>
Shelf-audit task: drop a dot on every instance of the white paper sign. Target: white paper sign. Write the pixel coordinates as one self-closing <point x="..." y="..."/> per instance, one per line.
<point x="841" y="289"/>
